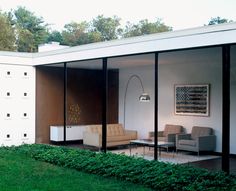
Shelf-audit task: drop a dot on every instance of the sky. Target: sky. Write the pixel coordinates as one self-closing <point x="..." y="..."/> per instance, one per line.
<point x="179" y="14"/>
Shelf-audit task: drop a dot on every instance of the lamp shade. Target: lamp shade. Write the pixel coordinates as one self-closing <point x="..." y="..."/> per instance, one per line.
<point x="144" y="97"/>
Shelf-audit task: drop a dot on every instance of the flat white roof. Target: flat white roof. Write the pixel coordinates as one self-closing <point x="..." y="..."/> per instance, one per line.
<point x="174" y="40"/>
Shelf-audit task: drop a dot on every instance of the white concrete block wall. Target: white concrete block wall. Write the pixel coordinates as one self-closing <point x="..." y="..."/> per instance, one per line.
<point x="17" y="104"/>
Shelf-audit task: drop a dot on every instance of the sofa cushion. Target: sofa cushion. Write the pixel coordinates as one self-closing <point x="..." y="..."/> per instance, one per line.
<point x="118" y="138"/>
<point x="112" y="129"/>
<point x="115" y="130"/>
<point x="185" y="142"/>
<point x="200" y="131"/>
<point x="95" y="129"/>
<point x="172" y="129"/>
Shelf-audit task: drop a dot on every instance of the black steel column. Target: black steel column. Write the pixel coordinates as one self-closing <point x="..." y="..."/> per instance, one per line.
<point x="65" y="101"/>
<point x="104" y="105"/>
<point x="226" y="108"/>
<point x="156" y="108"/>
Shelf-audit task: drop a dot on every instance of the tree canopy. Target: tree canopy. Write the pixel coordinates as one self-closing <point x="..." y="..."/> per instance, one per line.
<point x="145" y="27"/>
<point x="21" y="30"/>
<point x="7" y="35"/>
<point x="25" y="31"/>
<point x="55" y="36"/>
<point x="107" y="27"/>
<point x="31" y="30"/>
<point x="99" y="29"/>
<point x="75" y="33"/>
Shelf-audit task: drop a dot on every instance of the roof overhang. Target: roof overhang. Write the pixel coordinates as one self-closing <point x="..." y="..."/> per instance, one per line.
<point x="16" y="58"/>
<point x="175" y="40"/>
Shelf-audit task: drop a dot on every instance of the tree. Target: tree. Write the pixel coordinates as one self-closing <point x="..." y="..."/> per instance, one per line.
<point x="55" y="36"/>
<point x="94" y="36"/>
<point x="99" y="29"/>
<point x="25" y="41"/>
<point x="218" y="20"/>
<point x="145" y="27"/>
<point x="75" y="33"/>
<point x="108" y="27"/>
<point x="31" y="30"/>
<point x="7" y="35"/>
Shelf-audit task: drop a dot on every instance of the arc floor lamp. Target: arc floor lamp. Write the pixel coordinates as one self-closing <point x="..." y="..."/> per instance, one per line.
<point x="144" y="97"/>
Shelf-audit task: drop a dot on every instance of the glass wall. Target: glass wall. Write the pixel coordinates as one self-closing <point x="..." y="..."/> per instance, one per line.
<point x="233" y="108"/>
<point x="130" y="99"/>
<point x="131" y="102"/>
<point x="129" y="77"/>
<point x="84" y="103"/>
<point x="190" y="94"/>
<point x="83" y="100"/>
<point x="80" y="97"/>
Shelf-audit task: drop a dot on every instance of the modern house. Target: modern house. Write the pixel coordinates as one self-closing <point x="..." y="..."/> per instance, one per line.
<point x="87" y="85"/>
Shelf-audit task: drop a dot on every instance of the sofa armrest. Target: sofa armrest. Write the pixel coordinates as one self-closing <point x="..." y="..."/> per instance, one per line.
<point x="92" y="139"/>
<point x="132" y="133"/>
<point x="171" y="137"/>
<point x="207" y="143"/>
<point x="181" y="136"/>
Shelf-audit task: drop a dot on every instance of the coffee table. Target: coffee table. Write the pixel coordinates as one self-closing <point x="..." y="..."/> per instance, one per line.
<point x="150" y="143"/>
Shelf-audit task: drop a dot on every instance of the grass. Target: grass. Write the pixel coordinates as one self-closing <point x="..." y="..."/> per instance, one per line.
<point x="19" y="172"/>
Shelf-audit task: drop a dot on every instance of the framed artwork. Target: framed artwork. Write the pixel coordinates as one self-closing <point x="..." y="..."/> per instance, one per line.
<point x="192" y="100"/>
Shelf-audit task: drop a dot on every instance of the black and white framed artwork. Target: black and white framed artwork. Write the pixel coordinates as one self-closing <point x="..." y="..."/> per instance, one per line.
<point x="192" y="100"/>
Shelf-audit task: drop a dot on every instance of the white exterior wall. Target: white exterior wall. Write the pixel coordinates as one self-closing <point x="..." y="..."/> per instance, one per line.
<point x="15" y="128"/>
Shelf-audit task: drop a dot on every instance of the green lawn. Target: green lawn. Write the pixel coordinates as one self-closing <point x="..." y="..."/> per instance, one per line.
<point x="19" y="172"/>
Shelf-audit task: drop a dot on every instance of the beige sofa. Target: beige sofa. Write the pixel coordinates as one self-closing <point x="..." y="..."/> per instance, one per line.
<point x="116" y="135"/>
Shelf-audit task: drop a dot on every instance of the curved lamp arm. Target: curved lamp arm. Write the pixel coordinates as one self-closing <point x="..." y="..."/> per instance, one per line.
<point x="144" y="95"/>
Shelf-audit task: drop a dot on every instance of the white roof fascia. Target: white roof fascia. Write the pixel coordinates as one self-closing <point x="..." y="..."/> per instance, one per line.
<point x="16" y="58"/>
<point x="174" y="40"/>
<point x="190" y="38"/>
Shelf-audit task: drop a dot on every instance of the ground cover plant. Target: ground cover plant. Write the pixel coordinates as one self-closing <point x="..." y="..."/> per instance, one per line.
<point x="156" y="175"/>
<point x="19" y="172"/>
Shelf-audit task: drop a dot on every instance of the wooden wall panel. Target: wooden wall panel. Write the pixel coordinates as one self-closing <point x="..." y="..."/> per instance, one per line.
<point x="49" y="101"/>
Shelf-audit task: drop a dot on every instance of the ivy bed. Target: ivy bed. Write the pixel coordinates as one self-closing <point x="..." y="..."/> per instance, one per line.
<point x="153" y="174"/>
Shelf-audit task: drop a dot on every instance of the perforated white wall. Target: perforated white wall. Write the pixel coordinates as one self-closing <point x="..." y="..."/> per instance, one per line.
<point x="17" y="104"/>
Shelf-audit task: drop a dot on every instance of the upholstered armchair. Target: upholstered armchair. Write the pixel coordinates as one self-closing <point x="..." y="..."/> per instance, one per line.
<point x="169" y="133"/>
<point x="200" y="139"/>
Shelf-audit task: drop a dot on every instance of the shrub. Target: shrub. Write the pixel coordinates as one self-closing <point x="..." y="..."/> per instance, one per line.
<point x="154" y="174"/>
